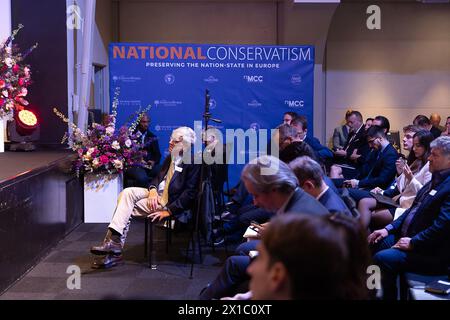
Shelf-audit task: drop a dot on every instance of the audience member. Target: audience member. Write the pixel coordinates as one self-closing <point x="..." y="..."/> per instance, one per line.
<point x="274" y="187"/>
<point x="289" y="116"/>
<point x="311" y="179"/>
<point x="382" y="122"/>
<point x="446" y="132"/>
<point x="340" y="134"/>
<point x="368" y="124"/>
<point x="435" y="120"/>
<point x="414" y="174"/>
<point x="309" y="257"/>
<point x="356" y="148"/>
<point x="419" y="240"/>
<point x="301" y="125"/>
<point x="425" y="123"/>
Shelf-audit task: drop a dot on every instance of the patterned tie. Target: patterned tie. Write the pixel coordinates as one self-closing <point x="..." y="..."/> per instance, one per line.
<point x="165" y="194"/>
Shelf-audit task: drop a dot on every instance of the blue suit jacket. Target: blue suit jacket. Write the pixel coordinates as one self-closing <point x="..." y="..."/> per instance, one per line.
<point x="334" y="203"/>
<point x="321" y="151"/>
<point x="429" y="230"/>
<point x="379" y="172"/>
<point x="302" y="202"/>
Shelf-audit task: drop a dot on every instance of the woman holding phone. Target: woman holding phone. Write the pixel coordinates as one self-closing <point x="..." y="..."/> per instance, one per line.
<point x="413" y="174"/>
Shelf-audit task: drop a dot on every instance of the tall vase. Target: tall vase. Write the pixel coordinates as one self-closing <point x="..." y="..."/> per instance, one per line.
<point x="101" y="192"/>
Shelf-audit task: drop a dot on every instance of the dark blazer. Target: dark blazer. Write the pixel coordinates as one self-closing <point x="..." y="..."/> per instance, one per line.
<point x="151" y="145"/>
<point x="429" y="229"/>
<point x="301" y="202"/>
<point x="379" y="171"/>
<point x="183" y="187"/>
<point x="359" y="142"/>
<point x="334" y="203"/>
<point x="435" y="132"/>
<point x="321" y="151"/>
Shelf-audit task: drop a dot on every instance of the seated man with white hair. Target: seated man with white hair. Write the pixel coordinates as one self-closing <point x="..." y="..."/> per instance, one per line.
<point x="172" y="192"/>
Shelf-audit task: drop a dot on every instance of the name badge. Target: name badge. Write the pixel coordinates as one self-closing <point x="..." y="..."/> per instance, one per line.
<point x="432" y="192"/>
<point x="179" y="169"/>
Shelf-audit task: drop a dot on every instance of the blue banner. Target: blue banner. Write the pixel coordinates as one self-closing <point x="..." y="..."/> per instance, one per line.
<point x="250" y="86"/>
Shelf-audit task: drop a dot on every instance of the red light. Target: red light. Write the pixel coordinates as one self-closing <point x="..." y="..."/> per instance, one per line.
<point x="26" y="122"/>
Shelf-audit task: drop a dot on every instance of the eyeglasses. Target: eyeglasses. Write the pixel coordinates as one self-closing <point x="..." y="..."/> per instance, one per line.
<point x="371" y="141"/>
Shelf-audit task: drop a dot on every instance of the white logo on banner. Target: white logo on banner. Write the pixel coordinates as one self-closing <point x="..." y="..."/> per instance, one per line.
<point x="169" y="78"/>
<point x="167" y="103"/>
<point x="294" y="103"/>
<point x="254" y="104"/>
<point x="211" y="79"/>
<point x="296" y="79"/>
<point x="255" y="126"/>
<point x="212" y="104"/>
<point x="254" y="79"/>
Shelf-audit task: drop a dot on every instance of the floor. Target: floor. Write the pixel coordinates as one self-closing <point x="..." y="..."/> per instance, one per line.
<point x="49" y="279"/>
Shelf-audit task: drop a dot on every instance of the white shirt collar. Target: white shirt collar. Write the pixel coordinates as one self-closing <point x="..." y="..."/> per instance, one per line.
<point x="322" y="193"/>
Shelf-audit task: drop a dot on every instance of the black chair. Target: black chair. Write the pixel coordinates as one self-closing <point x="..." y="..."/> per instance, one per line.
<point x="148" y="237"/>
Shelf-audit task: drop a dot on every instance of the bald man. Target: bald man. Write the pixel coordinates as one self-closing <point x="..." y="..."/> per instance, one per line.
<point x="436" y="121"/>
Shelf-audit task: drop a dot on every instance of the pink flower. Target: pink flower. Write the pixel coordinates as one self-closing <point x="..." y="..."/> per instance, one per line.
<point x="15" y="68"/>
<point x="21" y="81"/>
<point x="104" y="159"/>
<point x="2" y="84"/>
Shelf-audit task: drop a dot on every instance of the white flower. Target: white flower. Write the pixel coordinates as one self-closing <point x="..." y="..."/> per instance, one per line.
<point x="5" y="93"/>
<point x="96" y="163"/>
<point x="118" y="164"/>
<point x="26" y="70"/>
<point x="115" y="145"/>
<point x="9" y="62"/>
<point x="8" y="50"/>
<point x="87" y="157"/>
<point x="109" y="130"/>
<point x="128" y="143"/>
<point x="23" y="92"/>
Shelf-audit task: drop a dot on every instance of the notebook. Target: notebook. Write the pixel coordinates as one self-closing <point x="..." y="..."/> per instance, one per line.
<point x="438" y="287"/>
<point x="385" y="200"/>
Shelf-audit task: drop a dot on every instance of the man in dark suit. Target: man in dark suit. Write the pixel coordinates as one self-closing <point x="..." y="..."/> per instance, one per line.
<point x="172" y="192"/>
<point x="379" y="170"/>
<point x="274" y="187"/>
<point x="425" y="123"/>
<point x="140" y="176"/>
<point x="310" y="177"/>
<point x="355" y="150"/>
<point x="301" y="124"/>
<point x="419" y="240"/>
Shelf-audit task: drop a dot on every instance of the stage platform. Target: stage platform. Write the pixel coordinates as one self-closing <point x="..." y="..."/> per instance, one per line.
<point x="41" y="201"/>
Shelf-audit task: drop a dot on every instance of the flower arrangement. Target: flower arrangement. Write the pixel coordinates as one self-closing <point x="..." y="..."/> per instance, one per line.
<point x="102" y="148"/>
<point x="15" y="76"/>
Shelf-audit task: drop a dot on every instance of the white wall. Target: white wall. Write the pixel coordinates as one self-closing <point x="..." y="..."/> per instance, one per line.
<point x="399" y="71"/>
<point x="5" y="19"/>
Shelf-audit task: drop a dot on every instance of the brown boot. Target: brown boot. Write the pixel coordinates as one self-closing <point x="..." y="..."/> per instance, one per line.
<point x="108" y="246"/>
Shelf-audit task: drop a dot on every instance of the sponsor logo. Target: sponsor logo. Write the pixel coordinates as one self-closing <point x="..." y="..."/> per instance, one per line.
<point x="254" y="104"/>
<point x="126" y="79"/>
<point x="254" y="79"/>
<point x="211" y="79"/>
<point x="165" y="128"/>
<point x="169" y="78"/>
<point x="130" y="102"/>
<point x="296" y="79"/>
<point x="294" y="103"/>
<point x="212" y="104"/>
<point x="255" y="126"/>
<point x="167" y="103"/>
